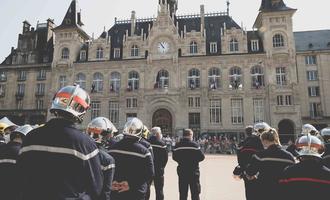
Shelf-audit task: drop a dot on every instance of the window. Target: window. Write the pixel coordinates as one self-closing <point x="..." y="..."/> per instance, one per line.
<point x="312" y="75"/>
<point x="2" y="90"/>
<point x="315" y="110"/>
<point x="284" y="100"/>
<point x="95" y="109"/>
<point x="41" y="75"/>
<point x="280" y="101"/>
<point x="237" y="111"/>
<point x="213" y="47"/>
<point x="214" y="78"/>
<point x="134" y="51"/>
<point x="235" y="77"/>
<point x="257" y="76"/>
<point x="310" y="60"/>
<point x="62" y="81"/>
<point x="194" y="102"/>
<point x="39" y="104"/>
<point x="114" y="112"/>
<point x="99" y="53"/>
<point x="20" y="89"/>
<point x="288" y="100"/>
<point x="215" y="111"/>
<point x="278" y="41"/>
<point x="197" y="102"/>
<point x="314" y="91"/>
<point x="162" y="79"/>
<point x="233" y="45"/>
<point x="254" y="45"/>
<point x="193" y="47"/>
<point x="81" y="80"/>
<point x="3" y="76"/>
<point x="195" y="123"/>
<point x="114" y="82"/>
<point x="258" y="107"/>
<point x="65" y="54"/>
<point x="40" y="89"/>
<point x="97" y="85"/>
<point x="21" y="76"/>
<point x="83" y="55"/>
<point x="116" y="53"/>
<point x="133" y="81"/>
<point x="280" y="76"/>
<point x="131" y="103"/>
<point x="193" y="79"/>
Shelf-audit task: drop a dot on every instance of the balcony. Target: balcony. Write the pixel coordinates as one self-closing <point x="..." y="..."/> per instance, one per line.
<point x="40" y="94"/>
<point x="21" y="78"/>
<point x="19" y="95"/>
<point x="41" y="78"/>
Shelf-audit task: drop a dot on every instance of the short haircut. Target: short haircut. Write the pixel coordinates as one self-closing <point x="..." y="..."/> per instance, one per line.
<point x="187" y="132"/>
<point x="249" y="130"/>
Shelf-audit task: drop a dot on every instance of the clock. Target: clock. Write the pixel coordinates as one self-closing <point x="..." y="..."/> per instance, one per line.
<point x="163" y="47"/>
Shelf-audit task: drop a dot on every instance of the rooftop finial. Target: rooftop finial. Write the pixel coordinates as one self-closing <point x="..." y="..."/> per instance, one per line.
<point x="228" y="5"/>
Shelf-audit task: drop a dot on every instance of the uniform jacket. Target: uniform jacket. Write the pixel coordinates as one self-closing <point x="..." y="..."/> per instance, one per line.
<point x="250" y="146"/>
<point x="160" y="155"/>
<point x="59" y="162"/>
<point x="326" y="156"/>
<point x="147" y="145"/>
<point x="108" y="168"/>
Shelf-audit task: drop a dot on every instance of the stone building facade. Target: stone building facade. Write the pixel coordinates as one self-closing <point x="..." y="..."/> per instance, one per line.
<point x="200" y="71"/>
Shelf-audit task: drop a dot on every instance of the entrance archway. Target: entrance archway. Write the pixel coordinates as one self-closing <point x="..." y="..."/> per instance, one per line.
<point x="286" y="129"/>
<point x="163" y="119"/>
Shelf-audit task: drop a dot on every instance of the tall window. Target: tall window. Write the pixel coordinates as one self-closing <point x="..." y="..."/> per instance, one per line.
<point x="39" y="104"/>
<point x="114" y="82"/>
<point x="233" y="45"/>
<point x="3" y="76"/>
<point x="83" y="55"/>
<point x="162" y="79"/>
<point x="278" y="40"/>
<point x="193" y="78"/>
<point x="257" y="75"/>
<point x="235" y="77"/>
<point x="314" y="91"/>
<point x="213" y="47"/>
<point x="315" y="110"/>
<point x="288" y="100"/>
<point x="21" y="75"/>
<point x="62" y="81"/>
<point x="21" y="89"/>
<point x="237" y="111"/>
<point x="81" y="80"/>
<point x="95" y="109"/>
<point x="280" y="76"/>
<point x="114" y="112"/>
<point x="99" y="53"/>
<point x="2" y="90"/>
<point x="41" y="75"/>
<point x="310" y="60"/>
<point x="312" y="75"/>
<point x="193" y="47"/>
<point x="215" y="111"/>
<point x="214" y="78"/>
<point x="280" y="101"/>
<point x="40" y="89"/>
<point x="254" y="45"/>
<point x="116" y="53"/>
<point x="65" y="53"/>
<point x="259" y="110"/>
<point x="133" y="81"/>
<point x="134" y="51"/>
<point x="97" y="85"/>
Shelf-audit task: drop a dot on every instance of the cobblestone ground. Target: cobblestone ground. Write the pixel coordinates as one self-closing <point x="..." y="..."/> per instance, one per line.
<point x="216" y="180"/>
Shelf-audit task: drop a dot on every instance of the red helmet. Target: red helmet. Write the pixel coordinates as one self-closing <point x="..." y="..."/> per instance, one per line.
<point x="99" y="128"/>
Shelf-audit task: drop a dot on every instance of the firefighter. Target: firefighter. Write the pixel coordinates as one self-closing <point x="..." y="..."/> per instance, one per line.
<point x="134" y="164"/>
<point x="308" y="179"/>
<point x="99" y="129"/>
<point x="160" y="160"/>
<point x="58" y="161"/>
<point x="326" y="137"/>
<point x="267" y="166"/>
<point x="250" y="146"/>
<point x="188" y="154"/>
<point x="8" y="158"/>
<point x="3" y="126"/>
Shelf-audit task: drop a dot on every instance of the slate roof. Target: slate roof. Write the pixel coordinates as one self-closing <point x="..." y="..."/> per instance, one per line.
<point x="273" y="6"/>
<point x="312" y="40"/>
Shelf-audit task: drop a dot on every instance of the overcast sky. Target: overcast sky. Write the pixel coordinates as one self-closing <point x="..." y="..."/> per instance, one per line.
<point x="311" y="15"/>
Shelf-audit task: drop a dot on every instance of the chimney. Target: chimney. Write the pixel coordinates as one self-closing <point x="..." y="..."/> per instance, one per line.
<point x="133" y="21"/>
<point x="79" y="19"/>
<point x="26" y="26"/>
<point x="202" y="12"/>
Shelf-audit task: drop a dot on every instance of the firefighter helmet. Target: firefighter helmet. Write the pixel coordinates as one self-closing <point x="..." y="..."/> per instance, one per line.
<point x="326" y="134"/>
<point x="3" y="126"/>
<point x="310" y="145"/>
<point x="261" y="127"/>
<point x="145" y="132"/>
<point x="100" y="128"/>
<point x="308" y="129"/>
<point x="134" y="127"/>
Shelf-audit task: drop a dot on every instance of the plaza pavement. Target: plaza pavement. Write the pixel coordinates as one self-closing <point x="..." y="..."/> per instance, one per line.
<point x="216" y="180"/>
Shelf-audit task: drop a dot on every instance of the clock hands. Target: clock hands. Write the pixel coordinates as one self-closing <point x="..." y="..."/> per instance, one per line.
<point x="162" y="45"/>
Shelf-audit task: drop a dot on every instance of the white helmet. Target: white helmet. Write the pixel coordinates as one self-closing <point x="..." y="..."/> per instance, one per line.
<point x="326" y="134"/>
<point x="261" y="127"/>
<point x="307" y="129"/>
<point x="134" y="127"/>
<point x="100" y="127"/>
<point x="24" y="130"/>
<point x="309" y="145"/>
<point x="71" y="100"/>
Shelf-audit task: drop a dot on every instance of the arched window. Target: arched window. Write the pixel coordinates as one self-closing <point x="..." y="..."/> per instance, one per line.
<point x="235" y="77"/>
<point x="97" y="85"/>
<point x="257" y="76"/>
<point x="278" y="40"/>
<point x="214" y="78"/>
<point x="133" y="81"/>
<point x="162" y="79"/>
<point x="65" y="53"/>
<point x="81" y="80"/>
<point x="194" y="79"/>
<point x="114" y="82"/>
<point x="99" y="53"/>
<point x="193" y="47"/>
<point x="134" y="51"/>
<point x="233" y="45"/>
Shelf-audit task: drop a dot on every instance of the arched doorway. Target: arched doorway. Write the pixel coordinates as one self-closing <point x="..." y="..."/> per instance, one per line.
<point x="163" y="119"/>
<point x="286" y="129"/>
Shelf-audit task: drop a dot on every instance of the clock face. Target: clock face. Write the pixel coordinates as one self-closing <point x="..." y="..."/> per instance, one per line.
<point x="163" y="47"/>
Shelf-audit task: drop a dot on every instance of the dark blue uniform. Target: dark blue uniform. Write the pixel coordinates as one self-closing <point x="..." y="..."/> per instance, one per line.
<point x="9" y="176"/>
<point x="160" y="160"/>
<point x="57" y="161"/>
<point x="2" y="141"/>
<point x="134" y="164"/>
<point x="268" y="166"/>
<point x="147" y="145"/>
<point x="187" y="154"/>
<point x="307" y="180"/>
<point x="108" y="168"/>
<point x="326" y="156"/>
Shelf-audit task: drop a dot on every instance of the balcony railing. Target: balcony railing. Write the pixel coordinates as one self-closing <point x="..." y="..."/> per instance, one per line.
<point x="19" y="95"/>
